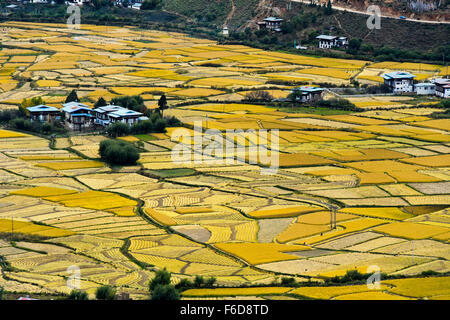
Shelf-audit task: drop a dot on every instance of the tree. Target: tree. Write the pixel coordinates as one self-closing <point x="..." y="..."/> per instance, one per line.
<point x="353" y="46"/>
<point x="165" y="292"/>
<point x="162" y="277"/>
<point x="135" y="103"/>
<point x="145" y="126"/>
<point x="1" y="293"/>
<point x="117" y="152"/>
<point x="210" y="282"/>
<point x="72" y="97"/>
<point x="151" y="4"/>
<point x="162" y="103"/>
<point x="160" y="287"/>
<point x="160" y="126"/>
<point x="198" y="281"/>
<point x="26" y="103"/>
<point x="258" y="95"/>
<point x="100" y="102"/>
<point x="105" y="293"/>
<point x="78" y="295"/>
<point x="118" y="129"/>
<point x="328" y="8"/>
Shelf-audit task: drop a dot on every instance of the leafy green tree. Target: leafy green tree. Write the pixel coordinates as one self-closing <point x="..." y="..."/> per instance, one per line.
<point x="162" y="277"/>
<point x="165" y="292"/>
<point x="160" y="287"/>
<point x="117" y="152"/>
<point x="135" y="103"/>
<point x="184" y="284"/>
<point x="72" y="97"/>
<point x="198" y="281"/>
<point x="145" y="126"/>
<point x="353" y="46"/>
<point x="329" y="8"/>
<point x="210" y="282"/>
<point x="160" y="126"/>
<point x="78" y="295"/>
<point x="26" y="103"/>
<point x="118" y="129"/>
<point x="1" y="293"/>
<point x="105" y="293"/>
<point x="100" y="102"/>
<point x="162" y="104"/>
<point x="151" y="4"/>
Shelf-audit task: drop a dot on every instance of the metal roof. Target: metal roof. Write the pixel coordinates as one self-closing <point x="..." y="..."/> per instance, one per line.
<point x="125" y="112"/>
<point x="325" y="37"/>
<point x="309" y="89"/>
<point x="273" y="19"/>
<point x="74" y="106"/>
<point x="41" y="108"/>
<point x="398" y="75"/>
<point x="425" y="84"/>
<point x="108" y="108"/>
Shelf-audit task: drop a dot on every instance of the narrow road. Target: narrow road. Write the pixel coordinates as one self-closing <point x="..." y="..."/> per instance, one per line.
<point x="231" y="14"/>
<point x="369" y="14"/>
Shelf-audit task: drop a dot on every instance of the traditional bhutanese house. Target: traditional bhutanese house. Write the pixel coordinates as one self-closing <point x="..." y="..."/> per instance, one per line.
<point x="77" y="116"/>
<point x="442" y="87"/>
<point x="425" y="88"/>
<point x="326" y="42"/>
<point x="101" y="114"/>
<point x="129" y="117"/>
<point x="399" y="81"/>
<point x="308" y="93"/>
<point x="271" y="23"/>
<point x="44" y="113"/>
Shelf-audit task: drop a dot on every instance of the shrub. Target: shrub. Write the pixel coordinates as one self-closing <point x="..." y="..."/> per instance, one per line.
<point x="288" y="281"/>
<point x="118" y="129"/>
<point x="100" y="102"/>
<point x="259" y="95"/>
<point x="142" y="127"/>
<point x="105" y="293"/>
<point x="160" y="126"/>
<point x="135" y="102"/>
<point x="165" y="292"/>
<point x="172" y="121"/>
<point x="78" y="295"/>
<point x="117" y="152"/>
<point x="162" y="277"/>
<point x="198" y="281"/>
<point x="72" y="97"/>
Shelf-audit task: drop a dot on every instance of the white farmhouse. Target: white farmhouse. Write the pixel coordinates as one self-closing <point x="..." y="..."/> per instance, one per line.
<point x="425" y="88"/>
<point x="328" y="42"/>
<point x="111" y="113"/>
<point x="399" y="81"/>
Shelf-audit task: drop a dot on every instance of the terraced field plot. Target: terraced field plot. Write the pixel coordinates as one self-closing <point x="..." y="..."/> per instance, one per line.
<point x="385" y="171"/>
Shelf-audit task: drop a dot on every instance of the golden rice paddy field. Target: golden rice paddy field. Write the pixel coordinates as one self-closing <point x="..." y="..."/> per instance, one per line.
<point x="384" y="172"/>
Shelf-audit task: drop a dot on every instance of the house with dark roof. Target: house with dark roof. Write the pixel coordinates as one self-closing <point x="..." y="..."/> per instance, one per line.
<point x="308" y="93"/>
<point x="271" y="23"/>
<point x="77" y="116"/>
<point x="328" y="42"/>
<point x="442" y="88"/>
<point x="399" y="81"/>
<point x="43" y="113"/>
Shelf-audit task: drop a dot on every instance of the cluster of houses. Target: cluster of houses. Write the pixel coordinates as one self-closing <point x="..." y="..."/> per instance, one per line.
<point x="78" y="116"/>
<point x="403" y="82"/>
<point x="398" y="81"/>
